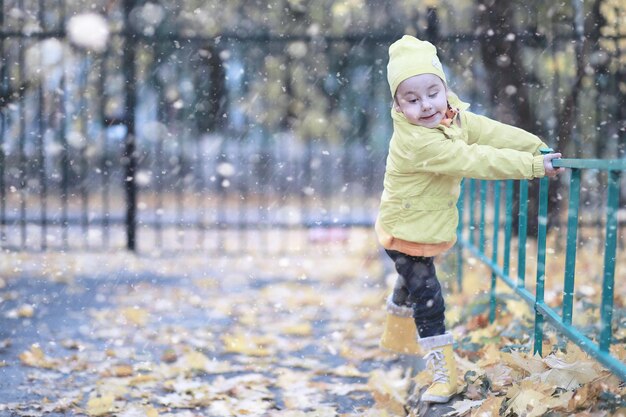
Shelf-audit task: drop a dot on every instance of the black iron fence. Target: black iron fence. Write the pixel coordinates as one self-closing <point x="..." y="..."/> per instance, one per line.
<point x="226" y="143"/>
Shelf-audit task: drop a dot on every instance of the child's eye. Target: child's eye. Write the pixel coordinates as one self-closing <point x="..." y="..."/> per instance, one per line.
<point x="433" y="95"/>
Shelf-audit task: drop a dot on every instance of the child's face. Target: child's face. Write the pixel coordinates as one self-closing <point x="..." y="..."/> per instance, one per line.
<point x="422" y="99"/>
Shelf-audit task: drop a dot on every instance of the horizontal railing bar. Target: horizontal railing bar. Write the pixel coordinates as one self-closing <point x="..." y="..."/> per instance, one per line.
<point x="586" y="344"/>
<point x="10" y="220"/>
<point x="254" y="37"/>
<point x="600" y="164"/>
<point x="612" y="363"/>
<point x="251" y="225"/>
<point x="386" y="37"/>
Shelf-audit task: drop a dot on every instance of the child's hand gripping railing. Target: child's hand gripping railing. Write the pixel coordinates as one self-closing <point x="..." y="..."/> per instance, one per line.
<point x="563" y="323"/>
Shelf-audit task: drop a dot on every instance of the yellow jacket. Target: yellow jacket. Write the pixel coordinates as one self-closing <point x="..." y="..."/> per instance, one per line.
<point x="425" y="166"/>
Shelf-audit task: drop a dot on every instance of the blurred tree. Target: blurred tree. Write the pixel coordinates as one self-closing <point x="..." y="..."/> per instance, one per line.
<point x="212" y="96"/>
<point x="501" y="55"/>
<point x="300" y="60"/>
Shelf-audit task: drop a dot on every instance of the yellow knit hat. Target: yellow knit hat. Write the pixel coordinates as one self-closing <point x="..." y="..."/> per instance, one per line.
<point x="410" y="56"/>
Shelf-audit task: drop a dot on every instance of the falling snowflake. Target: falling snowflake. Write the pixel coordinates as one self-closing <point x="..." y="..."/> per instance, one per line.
<point x="89" y="31"/>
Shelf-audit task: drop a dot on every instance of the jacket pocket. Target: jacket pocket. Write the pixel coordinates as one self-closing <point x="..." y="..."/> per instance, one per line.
<point x="427" y="220"/>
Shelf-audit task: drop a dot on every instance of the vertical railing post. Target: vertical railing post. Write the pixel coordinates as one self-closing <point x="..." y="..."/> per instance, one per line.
<point x="542" y="230"/>
<point x="61" y="136"/>
<point x="570" y="254"/>
<point x="4" y="85"/>
<point x="41" y="128"/>
<point x="508" y="226"/>
<point x="483" y="204"/>
<point x="522" y="233"/>
<point x="610" y="246"/>
<point x="21" y="147"/>
<point x="130" y="157"/>
<point x="459" y="231"/>
<point x="494" y="257"/>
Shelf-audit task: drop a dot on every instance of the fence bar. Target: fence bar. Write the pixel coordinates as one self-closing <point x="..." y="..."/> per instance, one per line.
<point x="483" y="204"/>
<point x="494" y="257"/>
<point x="612" y="363"/>
<point x="83" y="170"/>
<point x="601" y="164"/>
<point x="64" y="157"/>
<point x="609" y="261"/>
<point x="161" y="169"/>
<point x="541" y="260"/>
<point x="104" y="168"/>
<point x="4" y="85"/>
<point x="43" y="183"/>
<point x="22" y="134"/>
<point x="522" y="233"/>
<point x="508" y="226"/>
<point x="562" y="323"/>
<point x="129" y="156"/>
<point x="199" y="187"/>
<point x="179" y="177"/>
<point x="572" y="238"/>
<point x="459" y="230"/>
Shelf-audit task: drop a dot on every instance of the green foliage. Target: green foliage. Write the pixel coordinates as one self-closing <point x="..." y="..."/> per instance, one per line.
<point x="302" y="61"/>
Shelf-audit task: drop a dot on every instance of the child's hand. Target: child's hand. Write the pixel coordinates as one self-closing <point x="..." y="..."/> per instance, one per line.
<point x="547" y="164"/>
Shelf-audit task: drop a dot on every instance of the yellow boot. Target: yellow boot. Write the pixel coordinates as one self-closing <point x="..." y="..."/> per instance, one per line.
<point x="400" y="333"/>
<point x="440" y="358"/>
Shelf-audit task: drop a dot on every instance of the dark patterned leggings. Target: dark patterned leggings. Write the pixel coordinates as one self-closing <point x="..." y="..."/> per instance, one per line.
<point x="421" y="290"/>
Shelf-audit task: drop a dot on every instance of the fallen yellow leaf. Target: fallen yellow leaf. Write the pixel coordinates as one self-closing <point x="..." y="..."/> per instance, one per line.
<point x="529" y="403"/>
<point x="151" y="411"/>
<point x="142" y="379"/>
<point x="519" y="308"/>
<point x="500" y="376"/>
<point x="195" y="360"/>
<point x="389" y="389"/>
<point x="567" y="375"/>
<point x="490" y="355"/>
<point x="303" y="329"/>
<point x="121" y="371"/>
<point x="345" y="370"/>
<point x="619" y="350"/>
<point x="112" y="387"/>
<point x="489" y="332"/>
<point x="246" y="344"/>
<point x="99" y="406"/>
<point x="533" y="365"/>
<point x="36" y="358"/>
<point x="26" y="311"/>
<point x="490" y="408"/>
<point x="135" y="315"/>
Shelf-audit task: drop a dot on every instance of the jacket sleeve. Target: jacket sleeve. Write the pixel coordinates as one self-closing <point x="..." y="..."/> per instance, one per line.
<point x="485" y="131"/>
<point x="435" y="153"/>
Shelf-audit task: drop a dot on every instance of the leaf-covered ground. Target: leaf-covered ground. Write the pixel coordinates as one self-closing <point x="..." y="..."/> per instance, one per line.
<point x="290" y="336"/>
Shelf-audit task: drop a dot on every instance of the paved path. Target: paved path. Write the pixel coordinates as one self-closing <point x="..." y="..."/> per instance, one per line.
<point x="174" y="335"/>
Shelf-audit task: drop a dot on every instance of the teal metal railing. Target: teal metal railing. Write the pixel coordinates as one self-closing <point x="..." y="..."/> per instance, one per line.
<point x="597" y="346"/>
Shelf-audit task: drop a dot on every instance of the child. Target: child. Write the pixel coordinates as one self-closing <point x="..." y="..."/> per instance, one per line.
<point x="435" y="143"/>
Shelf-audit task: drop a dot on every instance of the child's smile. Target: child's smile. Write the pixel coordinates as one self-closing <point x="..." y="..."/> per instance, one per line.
<point x="422" y="99"/>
